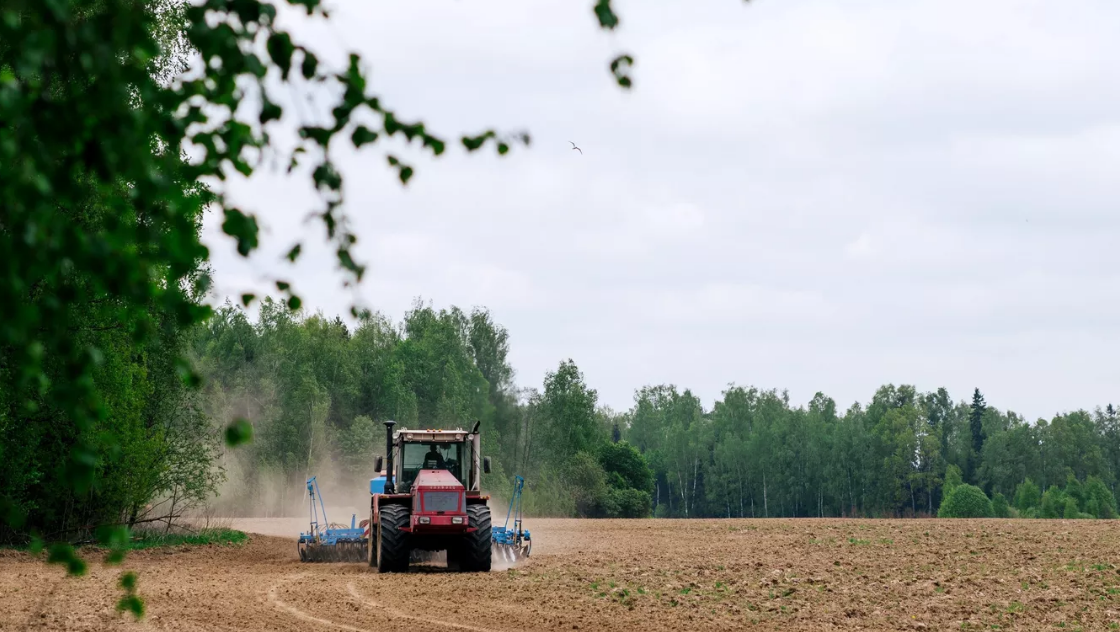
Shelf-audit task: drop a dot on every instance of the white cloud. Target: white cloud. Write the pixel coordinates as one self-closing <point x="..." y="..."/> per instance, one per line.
<point x="860" y="248"/>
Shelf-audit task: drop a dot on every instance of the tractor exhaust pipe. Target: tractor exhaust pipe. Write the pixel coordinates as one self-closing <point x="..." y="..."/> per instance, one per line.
<point x="389" y="457"/>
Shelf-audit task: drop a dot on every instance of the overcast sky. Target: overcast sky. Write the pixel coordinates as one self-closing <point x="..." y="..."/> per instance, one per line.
<point x="794" y="195"/>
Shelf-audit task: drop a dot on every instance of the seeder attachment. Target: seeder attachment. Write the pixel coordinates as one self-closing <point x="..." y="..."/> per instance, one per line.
<point x="334" y="543"/>
<point x="514" y="544"/>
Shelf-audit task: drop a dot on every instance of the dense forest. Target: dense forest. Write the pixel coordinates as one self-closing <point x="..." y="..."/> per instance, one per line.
<point x="316" y="390"/>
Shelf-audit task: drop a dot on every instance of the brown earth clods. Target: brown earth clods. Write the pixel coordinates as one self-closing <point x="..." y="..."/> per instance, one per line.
<point x="619" y="575"/>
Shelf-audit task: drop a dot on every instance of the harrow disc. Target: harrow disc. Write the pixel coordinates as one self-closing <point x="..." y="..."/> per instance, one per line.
<point x="354" y="551"/>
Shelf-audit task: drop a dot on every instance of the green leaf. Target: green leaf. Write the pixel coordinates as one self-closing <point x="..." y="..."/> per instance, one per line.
<point x="310" y="5"/>
<point x="309" y="65"/>
<point x="293" y="254"/>
<point x="270" y="112"/>
<point x="435" y="144"/>
<point x="128" y="581"/>
<point x="12" y="18"/>
<point x="282" y="286"/>
<point x="247" y="298"/>
<point x="473" y="143"/>
<point x="242" y="227"/>
<point x="133" y="604"/>
<point x="503" y="149"/>
<point x="64" y="554"/>
<point x="619" y="68"/>
<point x="347" y="262"/>
<point x="406" y="174"/>
<point x="320" y="135"/>
<point x="363" y="135"/>
<point x="294" y="303"/>
<point x="390" y="124"/>
<point x="112" y="536"/>
<point x="238" y="432"/>
<point x="326" y="177"/>
<point x="295" y="158"/>
<point x="280" y="49"/>
<point x="187" y="374"/>
<point x="608" y="19"/>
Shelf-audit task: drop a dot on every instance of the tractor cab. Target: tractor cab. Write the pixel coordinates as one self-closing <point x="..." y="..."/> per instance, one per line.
<point x="433" y="455"/>
<point x="430" y="500"/>
<point x="453" y="451"/>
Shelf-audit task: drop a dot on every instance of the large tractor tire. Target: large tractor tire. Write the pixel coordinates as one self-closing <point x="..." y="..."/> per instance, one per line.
<point x="391" y="546"/>
<point x="474" y="556"/>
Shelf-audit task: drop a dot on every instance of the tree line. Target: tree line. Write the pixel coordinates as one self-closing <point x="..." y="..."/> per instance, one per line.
<point x="315" y="392"/>
<point x="755" y="455"/>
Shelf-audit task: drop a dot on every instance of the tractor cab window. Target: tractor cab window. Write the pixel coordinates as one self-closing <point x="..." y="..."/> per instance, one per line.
<point x="435" y="455"/>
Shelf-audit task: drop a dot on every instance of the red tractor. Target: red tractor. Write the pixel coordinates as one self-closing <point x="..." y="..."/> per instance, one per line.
<point x="431" y="501"/>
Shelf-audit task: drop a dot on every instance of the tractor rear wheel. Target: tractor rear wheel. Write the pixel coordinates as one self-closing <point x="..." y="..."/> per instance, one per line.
<point x="392" y="542"/>
<point x="474" y="556"/>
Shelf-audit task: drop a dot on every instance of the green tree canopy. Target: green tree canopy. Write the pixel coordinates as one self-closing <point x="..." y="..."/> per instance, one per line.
<point x="966" y="501"/>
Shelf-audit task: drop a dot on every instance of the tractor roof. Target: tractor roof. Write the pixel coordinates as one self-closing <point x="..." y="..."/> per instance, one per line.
<point x="411" y="436"/>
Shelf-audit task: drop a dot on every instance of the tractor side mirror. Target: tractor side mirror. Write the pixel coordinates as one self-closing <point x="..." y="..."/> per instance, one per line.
<point x="486" y="464"/>
<point x="378" y="463"/>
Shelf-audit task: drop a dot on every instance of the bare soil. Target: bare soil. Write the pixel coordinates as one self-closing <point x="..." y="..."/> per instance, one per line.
<point x="620" y="575"/>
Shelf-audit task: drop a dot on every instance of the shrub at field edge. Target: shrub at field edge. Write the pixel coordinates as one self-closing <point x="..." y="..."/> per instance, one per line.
<point x="966" y="501"/>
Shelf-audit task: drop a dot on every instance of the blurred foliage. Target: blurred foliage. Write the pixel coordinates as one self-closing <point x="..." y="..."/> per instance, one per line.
<point x="114" y="143"/>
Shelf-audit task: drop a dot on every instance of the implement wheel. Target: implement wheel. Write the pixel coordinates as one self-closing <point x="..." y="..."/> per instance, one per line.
<point x="392" y="543"/>
<point x="474" y="556"/>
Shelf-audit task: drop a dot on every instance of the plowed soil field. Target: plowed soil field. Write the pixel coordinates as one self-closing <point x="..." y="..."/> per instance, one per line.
<point x="620" y="575"/>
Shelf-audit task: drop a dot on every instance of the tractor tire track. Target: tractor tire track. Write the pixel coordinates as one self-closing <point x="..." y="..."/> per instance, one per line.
<point x="399" y="614"/>
<point x="389" y="612"/>
<point x="303" y="615"/>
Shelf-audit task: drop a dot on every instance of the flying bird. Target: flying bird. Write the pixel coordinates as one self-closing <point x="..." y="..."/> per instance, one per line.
<point x="576" y="148"/>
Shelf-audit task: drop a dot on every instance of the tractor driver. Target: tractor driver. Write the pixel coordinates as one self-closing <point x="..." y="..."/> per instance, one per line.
<point x="433" y="460"/>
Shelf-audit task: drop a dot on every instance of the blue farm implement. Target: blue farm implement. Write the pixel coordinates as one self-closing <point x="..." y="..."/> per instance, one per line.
<point x="512" y="544"/>
<point x="330" y="542"/>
